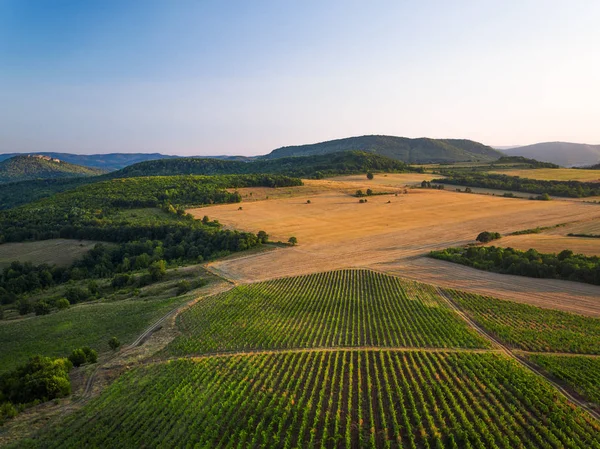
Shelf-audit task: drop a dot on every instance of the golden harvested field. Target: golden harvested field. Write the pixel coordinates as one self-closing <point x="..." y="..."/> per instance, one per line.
<point x="61" y="252"/>
<point x="574" y="297"/>
<point x="557" y="174"/>
<point x="548" y="243"/>
<point x="335" y="231"/>
<point x="389" y="179"/>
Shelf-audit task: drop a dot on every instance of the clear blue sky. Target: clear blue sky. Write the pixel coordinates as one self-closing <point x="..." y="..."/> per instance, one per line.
<point x="227" y="77"/>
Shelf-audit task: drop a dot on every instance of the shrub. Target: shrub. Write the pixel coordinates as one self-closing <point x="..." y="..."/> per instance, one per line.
<point x="263" y="237"/>
<point x="120" y="281"/>
<point x="114" y="343"/>
<point x="42" y="308"/>
<point x="293" y="241"/>
<point x="486" y="236"/>
<point x="183" y="286"/>
<point x="77" y="294"/>
<point x="369" y="192"/>
<point x="77" y="357"/>
<point x="157" y="270"/>
<point x="62" y="304"/>
<point x="91" y="356"/>
<point x="24" y="307"/>
<point x="370" y="175"/>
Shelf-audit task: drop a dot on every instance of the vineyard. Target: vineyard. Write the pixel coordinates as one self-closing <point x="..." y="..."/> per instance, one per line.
<point x="334" y="309"/>
<point x="532" y="328"/>
<point x="579" y="372"/>
<point x="350" y="398"/>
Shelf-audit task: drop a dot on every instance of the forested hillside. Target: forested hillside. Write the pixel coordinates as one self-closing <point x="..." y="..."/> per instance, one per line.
<point x="316" y="166"/>
<point x="16" y="194"/>
<point x="412" y="151"/>
<point x="22" y="168"/>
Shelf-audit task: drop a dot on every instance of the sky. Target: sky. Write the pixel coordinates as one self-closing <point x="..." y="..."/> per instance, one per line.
<point x="240" y="77"/>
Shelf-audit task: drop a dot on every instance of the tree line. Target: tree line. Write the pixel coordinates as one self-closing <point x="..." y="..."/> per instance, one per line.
<point x="564" y="265"/>
<point x="571" y="189"/>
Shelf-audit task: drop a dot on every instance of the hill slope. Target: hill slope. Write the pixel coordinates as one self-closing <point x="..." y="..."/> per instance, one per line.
<point x="414" y="151"/>
<point x="562" y="153"/>
<point x="106" y="162"/>
<point x="344" y="162"/>
<point x="23" y="168"/>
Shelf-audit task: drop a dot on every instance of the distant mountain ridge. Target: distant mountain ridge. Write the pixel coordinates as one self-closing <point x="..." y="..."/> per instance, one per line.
<point x="412" y="151"/>
<point x="30" y="167"/>
<point x="566" y="154"/>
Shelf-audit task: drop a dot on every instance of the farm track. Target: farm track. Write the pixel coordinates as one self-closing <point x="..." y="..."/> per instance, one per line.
<point x="143" y="337"/>
<point x="521" y="360"/>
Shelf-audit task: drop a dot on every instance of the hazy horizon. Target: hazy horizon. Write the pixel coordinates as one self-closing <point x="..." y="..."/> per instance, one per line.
<point x="191" y="78"/>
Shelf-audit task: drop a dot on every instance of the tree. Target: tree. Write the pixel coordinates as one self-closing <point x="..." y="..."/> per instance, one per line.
<point x="486" y="236"/>
<point x="62" y="304"/>
<point x="359" y="193"/>
<point x="370" y="175"/>
<point x="293" y="241"/>
<point x="158" y="270"/>
<point x="120" y="281"/>
<point x="24" y="307"/>
<point x="42" y="308"/>
<point x="114" y="343"/>
<point x="369" y="192"/>
<point x="77" y="357"/>
<point x="91" y="356"/>
<point x="424" y="185"/>
<point x="263" y="237"/>
<point x="183" y="286"/>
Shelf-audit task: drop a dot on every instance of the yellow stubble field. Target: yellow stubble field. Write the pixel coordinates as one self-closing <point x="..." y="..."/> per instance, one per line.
<point x="389" y="233"/>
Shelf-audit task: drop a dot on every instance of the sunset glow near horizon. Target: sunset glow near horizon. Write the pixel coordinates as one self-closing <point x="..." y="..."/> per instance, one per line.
<point x="210" y="78"/>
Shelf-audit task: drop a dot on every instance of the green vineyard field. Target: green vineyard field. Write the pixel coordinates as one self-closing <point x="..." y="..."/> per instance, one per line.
<point x="333" y="309"/>
<point x="532" y="328"/>
<point x="582" y="373"/>
<point x="351" y="398"/>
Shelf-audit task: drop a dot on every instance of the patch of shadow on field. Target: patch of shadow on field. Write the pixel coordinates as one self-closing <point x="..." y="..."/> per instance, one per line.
<point x="568" y="296"/>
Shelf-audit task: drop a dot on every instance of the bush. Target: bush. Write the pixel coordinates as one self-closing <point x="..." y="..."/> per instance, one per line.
<point x="77" y="294"/>
<point x="486" y="236"/>
<point x="370" y="175"/>
<point x="62" y="304"/>
<point x="120" y="281"/>
<point x="7" y="411"/>
<point x="24" y="307"/>
<point x="369" y="192"/>
<point x="293" y="241"/>
<point x="81" y="356"/>
<point x="91" y="356"/>
<point x="183" y="286"/>
<point x="77" y="357"/>
<point x="157" y="270"/>
<point x="114" y="343"/>
<point x="263" y="237"/>
<point x="42" y="308"/>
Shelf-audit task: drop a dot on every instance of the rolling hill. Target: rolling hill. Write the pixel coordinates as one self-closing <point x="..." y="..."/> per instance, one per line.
<point x="106" y="162"/>
<point x="28" y="167"/>
<point x="413" y="151"/>
<point x="562" y="153"/>
<point x="345" y="162"/>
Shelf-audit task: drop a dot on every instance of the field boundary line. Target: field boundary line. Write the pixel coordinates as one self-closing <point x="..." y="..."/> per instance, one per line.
<point x="522" y="361"/>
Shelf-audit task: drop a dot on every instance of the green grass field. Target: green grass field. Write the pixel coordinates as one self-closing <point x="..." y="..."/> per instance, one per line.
<point x="370" y="399"/>
<point x="532" y="328"/>
<point x="57" y="334"/>
<point x="340" y="308"/>
<point x="61" y="252"/>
